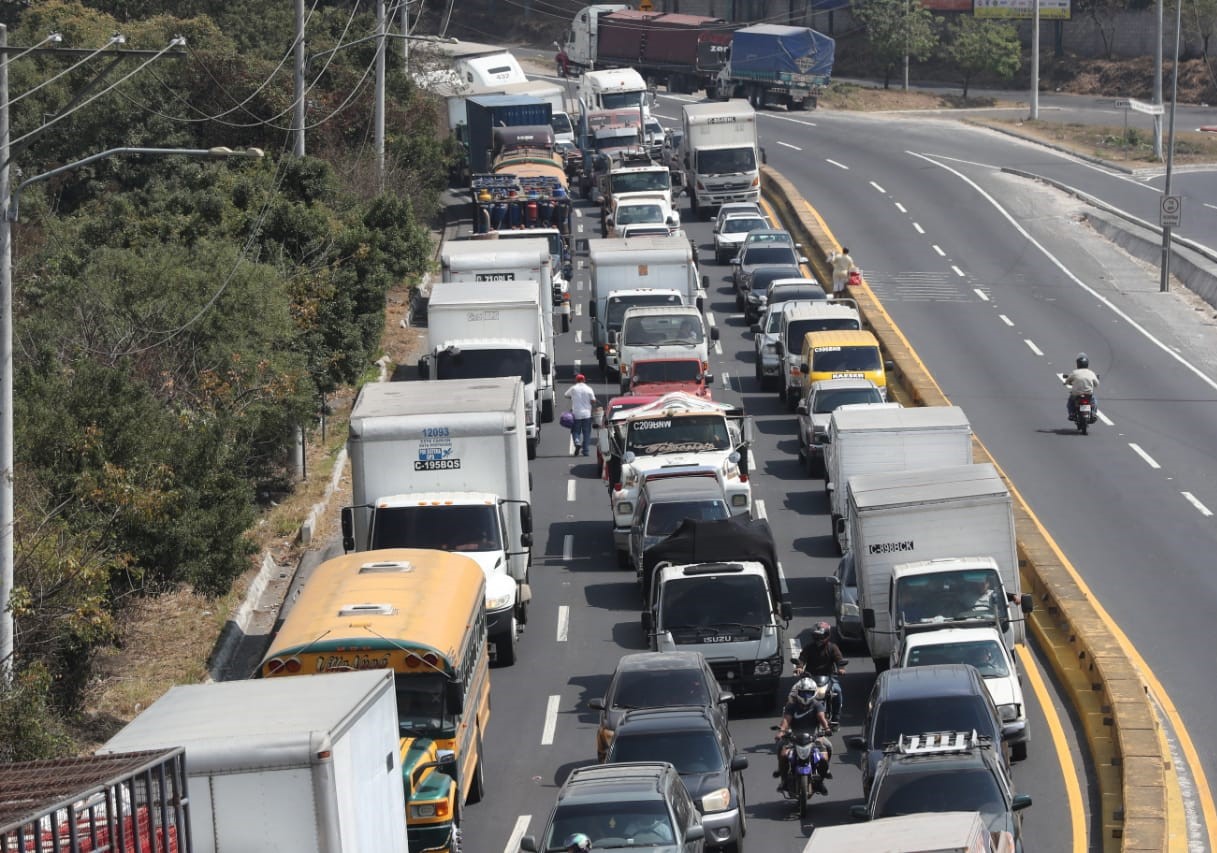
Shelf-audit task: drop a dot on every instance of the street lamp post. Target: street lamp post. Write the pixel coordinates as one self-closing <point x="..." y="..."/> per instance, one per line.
<point x="8" y="216"/>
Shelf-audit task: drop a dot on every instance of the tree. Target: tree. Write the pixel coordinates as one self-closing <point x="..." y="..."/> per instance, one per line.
<point x="897" y="28"/>
<point x="1199" y="22"/>
<point x="978" y="45"/>
<point x="1104" y="14"/>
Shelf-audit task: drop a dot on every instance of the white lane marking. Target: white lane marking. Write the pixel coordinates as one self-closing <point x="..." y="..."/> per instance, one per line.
<point x="939" y="250"/>
<point x="1212" y="383"/>
<point x="835" y="163"/>
<point x="788" y="145"/>
<point x="563" y="623"/>
<point x="758" y="506"/>
<point x="570" y="490"/>
<point x="1214" y="206"/>
<point x="579" y="227"/>
<point x="718" y="347"/>
<point x="1006" y="320"/>
<point x="517" y="832"/>
<point x="1149" y="460"/>
<point x="980" y="293"/>
<point x="1030" y="343"/>
<point x="783" y="118"/>
<point x="710" y="319"/>
<point x="578" y="336"/>
<point x="577" y="363"/>
<point x="752" y="465"/>
<point x="1192" y="499"/>
<point x="900" y="207"/>
<point x="578" y="212"/>
<point x="726" y="380"/>
<point x="1106" y="419"/>
<point x="879" y="188"/>
<point x="568" y="546"/>
<point x="579" y="309"/>
<point x="917" y="225"/>
<point x="958" y="271"/>
<point x="579" y="264"/>
<point x="551" y="720"/>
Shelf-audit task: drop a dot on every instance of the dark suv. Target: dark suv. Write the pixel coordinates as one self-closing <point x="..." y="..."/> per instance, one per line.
<point x="942" y="697"/>
<point x="643" y="806"/>
<point x="657" y="680"/>
<point x="945" y="771"/>
<point x="696" y="742"/>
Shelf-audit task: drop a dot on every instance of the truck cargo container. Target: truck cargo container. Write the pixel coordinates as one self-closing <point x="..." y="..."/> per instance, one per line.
<point x="487" y="112"/>
<point x="720" y="155"/>
<point x="776" y="65"/>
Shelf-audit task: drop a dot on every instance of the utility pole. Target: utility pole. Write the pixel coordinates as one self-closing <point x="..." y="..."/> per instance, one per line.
<point x="1035" y="62"/>
<point x="298" y="111"/>
<point x="405" y="31"/>
<point x="379" y="108"/>
<point x="1164" y="284"/>
<point x="1158" y="83"/>
<point x="6" y="384"/>
<point x="906" y="45"/>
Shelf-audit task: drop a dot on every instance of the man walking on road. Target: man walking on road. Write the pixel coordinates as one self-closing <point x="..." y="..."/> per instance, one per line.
<point x="582" y="400"/>
<point x="842" y="266"/>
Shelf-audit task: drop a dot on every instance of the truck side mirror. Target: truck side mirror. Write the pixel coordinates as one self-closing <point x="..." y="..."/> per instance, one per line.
<point x="803" y="368"/>
<point x="1026" y="602"/>
<point x="526" y="518"/>
<point x="868" y="618"/>
<point x="528" y="844"/>
<point x="787" y="611"/>
<point x="705" y="282"/>
<point x="780" y="349"/>
<point x="612" y="336"/>
<point x="545" y="365"/>
<point x="764" y="158"/>
<point x="749" y="426"/>
<point x="424" y="368"/>
<point x="701" y="305"/>
<point x="454" y="697"/>
<point x="348" y="529"/>
<point x="591" y="308"/>
<point x="755" y="328"/>
<point x="648" y="621"/>
<point x="889" y="365"/>
<point x="714" y="333"/>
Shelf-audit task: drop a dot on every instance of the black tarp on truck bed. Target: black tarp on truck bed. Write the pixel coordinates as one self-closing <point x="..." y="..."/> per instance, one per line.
<point x="734" y="539"/>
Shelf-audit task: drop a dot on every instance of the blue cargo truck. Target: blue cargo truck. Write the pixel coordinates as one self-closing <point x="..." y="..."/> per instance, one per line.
<point x="486" y="112"/>
<point x="775" y="65"/>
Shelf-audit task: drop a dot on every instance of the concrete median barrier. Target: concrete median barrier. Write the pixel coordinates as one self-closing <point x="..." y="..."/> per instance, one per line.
<point x="1109" y="697"/>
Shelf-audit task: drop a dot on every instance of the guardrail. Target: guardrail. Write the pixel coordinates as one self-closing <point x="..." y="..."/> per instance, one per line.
<point x="1108" y="696"/>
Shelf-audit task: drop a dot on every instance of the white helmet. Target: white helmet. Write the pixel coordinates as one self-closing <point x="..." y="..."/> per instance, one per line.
<point x="804" y="691"/>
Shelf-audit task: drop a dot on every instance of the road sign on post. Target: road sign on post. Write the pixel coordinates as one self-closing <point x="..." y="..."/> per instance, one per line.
<point x="1170" y="211"/>
<point x="1142" y="107"/>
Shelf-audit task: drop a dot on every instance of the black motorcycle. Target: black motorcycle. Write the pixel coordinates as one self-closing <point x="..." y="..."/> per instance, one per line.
<point x="1084" y="412"/>
<point x="807" y="761"/>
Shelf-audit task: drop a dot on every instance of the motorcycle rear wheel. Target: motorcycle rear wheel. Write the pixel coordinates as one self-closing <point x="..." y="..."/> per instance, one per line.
<point x="1083" y="423"/>
<point x="802" y="792"/>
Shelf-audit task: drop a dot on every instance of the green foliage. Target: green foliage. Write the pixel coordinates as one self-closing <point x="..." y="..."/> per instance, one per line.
<point x="895" y="29"/>
<point x="1104" y="14"/>
<point x="980" y="46"/>
<point x="29" y="730"/>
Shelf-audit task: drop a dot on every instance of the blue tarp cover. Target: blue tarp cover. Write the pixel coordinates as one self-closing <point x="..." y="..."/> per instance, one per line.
<point x="776" y="49"/>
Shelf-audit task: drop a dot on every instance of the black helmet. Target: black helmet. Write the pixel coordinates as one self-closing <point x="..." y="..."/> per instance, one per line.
<point x="1083" y="360"/>
<point x="821" y="632"/>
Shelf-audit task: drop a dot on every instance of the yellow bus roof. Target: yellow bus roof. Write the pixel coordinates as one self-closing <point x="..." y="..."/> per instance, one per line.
<point x="433" y="603"/>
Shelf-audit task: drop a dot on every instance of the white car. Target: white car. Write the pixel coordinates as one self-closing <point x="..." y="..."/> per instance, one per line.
<point x="732" y="208"/>
<point x="641" y="210"/>
<point x="730" y="235"/>
<point x="983" y="649"/>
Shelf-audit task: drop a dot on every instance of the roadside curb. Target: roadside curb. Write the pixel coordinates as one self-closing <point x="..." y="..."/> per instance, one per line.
<point x="1107" y="694"/>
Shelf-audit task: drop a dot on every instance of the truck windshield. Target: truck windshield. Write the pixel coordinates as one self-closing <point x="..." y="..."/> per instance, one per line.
<point x="737" y="602"/>
<point x="677" y="370"/>
<point x="484" y="364"/>
<point x="621" y="100"/>
<point x="688" y="433"/>
<point x="642" y="182"/>
<point x="629" y="214"/>
<point x="831" y="359"/>
<point x="726" y="161"/>
<point x="420" y="703"/>
<point x="660" y="329"/>
<point x="560" y="122"/>
<point x="948" y="596"/>
<point x="611" y="141"/>
<point x="443" y="528"/>
<point x="827" y="402"/>
<point x="618" y="305"/>
<point x="798" y="328"/>
<point x="985" y="655"/>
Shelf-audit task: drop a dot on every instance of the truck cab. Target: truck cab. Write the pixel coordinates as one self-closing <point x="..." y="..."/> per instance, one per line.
<point x="642" y="209"/>
<point x="614" y="88"/>
<point x="606" y="327"/>
<point x="719" y="155"/>
<point x="662" y="331"/>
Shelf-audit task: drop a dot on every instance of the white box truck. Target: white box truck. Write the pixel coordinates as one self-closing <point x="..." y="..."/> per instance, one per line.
<point x="443" y="465"/>
<point x="531" y="259"/>
<point x="613" y="89"/>
<point x="927" y="832"/>
<point x="309" y="765"/>
<point x="638" y="271"/>
<point x="873" y="439"/>
<point x="939" y="535"/>
<point x="476" y="332"/>
<point x="719" y="154"/>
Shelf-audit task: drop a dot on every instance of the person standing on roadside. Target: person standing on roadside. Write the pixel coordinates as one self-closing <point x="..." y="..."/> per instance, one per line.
<point x="842" y="266"/>
<point x="582" y="401"/>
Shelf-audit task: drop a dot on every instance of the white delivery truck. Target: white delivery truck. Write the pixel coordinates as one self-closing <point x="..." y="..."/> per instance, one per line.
<point x="927" y="832"/>
<point x="526" y="259"/>
<point x="475" y="331"/>
<point x="613" y="89"/>
<point x="443" y="465"/>
<point x="719" y="154"/>
<point x="961" y="519"/>
<point x="309" y="765"/>
<point x="873" y="439"/>
<point x="638" y="271"/>
<point x="662" y="331"/>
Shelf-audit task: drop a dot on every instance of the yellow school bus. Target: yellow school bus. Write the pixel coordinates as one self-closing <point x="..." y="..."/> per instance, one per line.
<point x="422" y="614"/>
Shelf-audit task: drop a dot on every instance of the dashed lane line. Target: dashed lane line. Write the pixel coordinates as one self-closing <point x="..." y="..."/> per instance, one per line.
<point x="1031" y="345"/>
<point x="568" y="546"/>
<point x="1194" y="501"/>
<point x="900" y="207"/>
<point x="1106" y="419"/>
<point x="788" y="145"/>
<point x="879" y="188"/>
<point x="517" y="832"/>
<point x="759" y="506"/>
<point x="1149" y="460"/>
<point x="726" y="380"/>
<point x="570" y="490"/>
<point x="578" y="336"/>
<point x="835" y="163"/>
<point x="1006" y="320"/>
<point x="551" y="720"/>
<point x="958" y="271"/>
<point x="917" y="225"/>
<point x="939" y="250"/>
<point x="563" y="623"/>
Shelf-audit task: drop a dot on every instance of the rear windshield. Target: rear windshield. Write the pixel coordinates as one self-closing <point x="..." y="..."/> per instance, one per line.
<point x="689" y="752"/>
<point x="757" y="255"/>
<point x="932" y="714"/>
<point x="798" y="328"/>
<point x="835" y="359"/>
<point x="829" y="401"/>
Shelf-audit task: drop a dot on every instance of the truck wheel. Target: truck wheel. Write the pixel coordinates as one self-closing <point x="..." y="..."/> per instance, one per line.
<point x="532" y="448"/>
<point x="623" y="560"/>
<point x="477" y="788"/>
<point x="1018" y="751"/>
<point x="882" y="664"/>
<point x="565" y="323"/>
<point x="505" y="646"/>
<point x="547" y="412"/>
<point x="792" y="402"/>
<point x="812" y="466"/>
<point x="833" y="519"/>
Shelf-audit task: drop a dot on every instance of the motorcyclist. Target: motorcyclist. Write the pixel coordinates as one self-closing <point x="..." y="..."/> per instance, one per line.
<point x="823" y="657"/>
<point x="1081" y="381"/>
<point x="802" y="712"/>
<point x="576" y="842"/>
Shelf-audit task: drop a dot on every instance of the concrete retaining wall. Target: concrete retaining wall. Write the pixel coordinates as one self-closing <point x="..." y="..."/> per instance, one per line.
<point x="1107" y="694"/>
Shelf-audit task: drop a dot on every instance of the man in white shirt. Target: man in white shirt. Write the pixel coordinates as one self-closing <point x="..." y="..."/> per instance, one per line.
<point x="1081" y="381"/>
<point x="582" y="400"/>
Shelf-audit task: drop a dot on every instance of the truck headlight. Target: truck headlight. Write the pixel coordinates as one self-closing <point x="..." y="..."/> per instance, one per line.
<point x="771" y="348"/>
<point x="739" y="500"/>
<point x="1009" y="713"/>
<point x="716" y="801"/>
<point x="426" y="810"/>
<point x="769" y="666"/>
<point x="625" y="507"/>
<point x="848" y="609"/>
<point x="501" y="601"/>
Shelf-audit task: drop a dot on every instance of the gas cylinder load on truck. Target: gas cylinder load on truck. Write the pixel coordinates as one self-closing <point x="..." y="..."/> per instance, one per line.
<point x="526" y="186"/>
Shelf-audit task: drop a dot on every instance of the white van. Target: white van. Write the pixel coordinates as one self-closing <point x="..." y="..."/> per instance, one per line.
<point x="662" y="331"/>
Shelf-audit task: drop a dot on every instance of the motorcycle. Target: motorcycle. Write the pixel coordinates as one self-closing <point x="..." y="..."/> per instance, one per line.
<point x="807" y="760"/>
<point x="1084" y="412"/>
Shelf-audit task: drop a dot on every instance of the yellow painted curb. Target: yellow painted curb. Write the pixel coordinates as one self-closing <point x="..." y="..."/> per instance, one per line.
<point x="1141" y="810"/>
